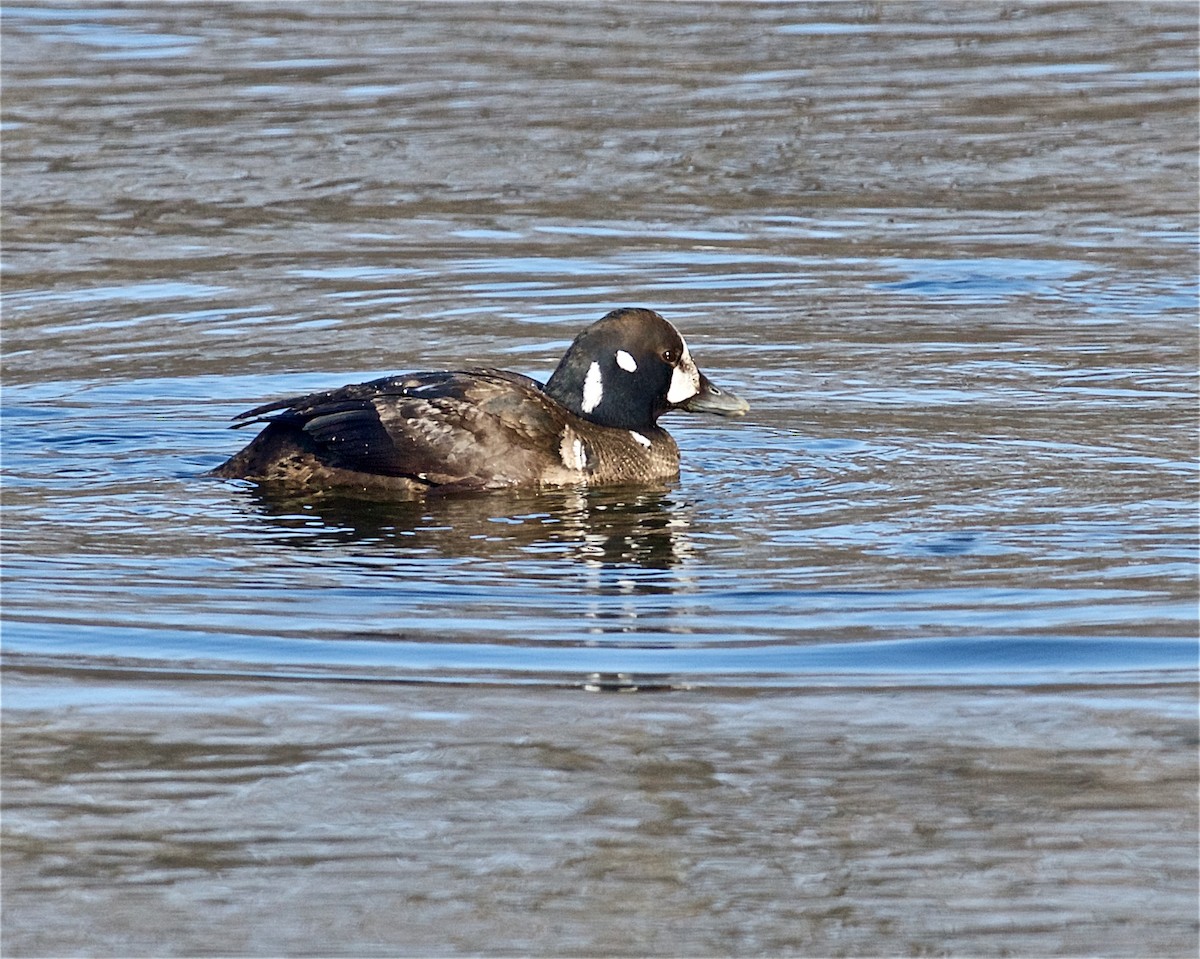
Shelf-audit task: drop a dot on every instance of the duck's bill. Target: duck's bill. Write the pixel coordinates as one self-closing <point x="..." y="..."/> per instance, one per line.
<point x="710" y="399"/>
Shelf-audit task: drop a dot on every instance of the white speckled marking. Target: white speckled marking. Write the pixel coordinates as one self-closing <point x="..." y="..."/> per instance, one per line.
<point x="593" y="388"/>
<point x="572" y="451"/>
<point x="626" y="362"/>
<point x="685" y="379"/>
<point x="640" y="438"/>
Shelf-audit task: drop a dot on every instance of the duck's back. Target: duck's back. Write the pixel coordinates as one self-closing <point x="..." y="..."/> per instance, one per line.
<point x="458" y="430"/>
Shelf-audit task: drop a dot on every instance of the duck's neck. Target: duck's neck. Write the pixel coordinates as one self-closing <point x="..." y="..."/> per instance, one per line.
<point x="580" y="386"/>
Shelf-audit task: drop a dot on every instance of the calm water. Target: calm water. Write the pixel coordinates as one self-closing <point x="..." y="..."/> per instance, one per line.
<point x="947" y="252"/>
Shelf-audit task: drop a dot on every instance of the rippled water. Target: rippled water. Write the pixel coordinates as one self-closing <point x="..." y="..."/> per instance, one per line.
<point x="947" y="252"/>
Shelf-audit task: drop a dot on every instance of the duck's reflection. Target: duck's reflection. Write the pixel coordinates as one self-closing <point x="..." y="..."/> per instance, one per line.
<point x="615" y="526"/>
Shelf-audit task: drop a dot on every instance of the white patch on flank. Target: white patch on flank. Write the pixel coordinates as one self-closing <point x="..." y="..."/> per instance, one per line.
<point x="572" y="451"/>
<point x="685" y="379"/>
<point x="593" y="388"/>
<point x="626" y="362"/>
<point x="640" y="438"/>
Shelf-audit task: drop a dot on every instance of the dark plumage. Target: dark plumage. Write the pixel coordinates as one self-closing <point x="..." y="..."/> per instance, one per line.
<point x="593" y="423"/>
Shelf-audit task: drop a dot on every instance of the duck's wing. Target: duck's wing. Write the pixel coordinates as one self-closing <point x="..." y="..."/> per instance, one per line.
<point x="470" y="428"/>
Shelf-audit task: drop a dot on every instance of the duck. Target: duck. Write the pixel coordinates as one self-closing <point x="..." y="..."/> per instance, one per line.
<point x="593" y="423"/>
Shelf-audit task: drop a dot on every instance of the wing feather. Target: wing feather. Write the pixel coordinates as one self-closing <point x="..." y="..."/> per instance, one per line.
<point x="476" y="428"/>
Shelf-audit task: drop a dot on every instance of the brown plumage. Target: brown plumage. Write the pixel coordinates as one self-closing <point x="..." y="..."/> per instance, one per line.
<point x="593" y="423"/>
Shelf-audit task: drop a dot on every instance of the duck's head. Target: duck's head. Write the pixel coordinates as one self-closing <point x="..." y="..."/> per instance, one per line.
<point x="629" y="368"/>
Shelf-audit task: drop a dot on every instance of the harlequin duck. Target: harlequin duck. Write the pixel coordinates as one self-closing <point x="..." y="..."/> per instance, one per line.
<point x="593" y="423"/>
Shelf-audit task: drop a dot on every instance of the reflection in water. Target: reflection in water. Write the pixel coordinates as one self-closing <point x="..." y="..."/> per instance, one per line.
<point x="527" y="570"/>
<point x="640" y="526"/>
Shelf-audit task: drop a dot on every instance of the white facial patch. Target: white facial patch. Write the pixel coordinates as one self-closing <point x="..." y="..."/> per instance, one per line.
<point x="626" y="362"/>
<point x="685" y="379"/>
<point x="638" y="437"/>
<point x="593" y="388"/>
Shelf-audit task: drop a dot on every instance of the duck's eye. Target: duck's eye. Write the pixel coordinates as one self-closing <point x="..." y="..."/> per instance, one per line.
<point x="670" y="357"/>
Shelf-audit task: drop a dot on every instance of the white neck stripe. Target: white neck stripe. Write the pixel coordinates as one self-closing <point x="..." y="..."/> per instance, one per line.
<point x="593" y="389"/>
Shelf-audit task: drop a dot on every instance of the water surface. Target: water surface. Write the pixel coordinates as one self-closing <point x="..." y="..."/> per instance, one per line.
<point x="946" y="251"/>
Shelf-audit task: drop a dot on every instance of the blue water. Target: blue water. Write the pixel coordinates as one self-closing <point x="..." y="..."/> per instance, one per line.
<point x="782" y="556"/>
<point x="918" y="241"/>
